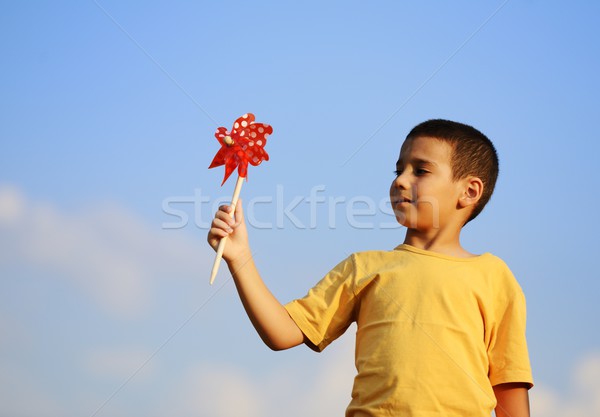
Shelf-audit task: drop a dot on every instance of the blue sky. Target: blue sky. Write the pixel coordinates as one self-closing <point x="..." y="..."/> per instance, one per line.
<point x="107" y="114"/>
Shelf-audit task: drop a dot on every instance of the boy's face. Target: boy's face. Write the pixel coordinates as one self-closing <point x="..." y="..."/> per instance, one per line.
<point x="423" y="194"/>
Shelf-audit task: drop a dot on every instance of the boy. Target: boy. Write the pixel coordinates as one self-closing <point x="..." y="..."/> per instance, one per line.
<point x="440" y="331"/>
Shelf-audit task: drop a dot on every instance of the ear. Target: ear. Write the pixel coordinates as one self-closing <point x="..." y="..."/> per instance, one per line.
<point x="471" y="193"/>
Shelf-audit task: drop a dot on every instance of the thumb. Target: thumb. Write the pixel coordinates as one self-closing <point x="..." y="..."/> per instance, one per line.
<point x="239" y="213"/>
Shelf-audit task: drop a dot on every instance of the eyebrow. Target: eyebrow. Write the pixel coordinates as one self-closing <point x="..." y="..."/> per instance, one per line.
<point x="418" y="161"/>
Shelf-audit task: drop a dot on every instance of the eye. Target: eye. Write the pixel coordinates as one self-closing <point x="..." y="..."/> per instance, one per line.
<point x="398" y="172"/>
<point x="420" y="171"/>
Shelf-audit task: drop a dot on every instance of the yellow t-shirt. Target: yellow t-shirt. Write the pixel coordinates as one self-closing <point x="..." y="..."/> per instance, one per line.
<point x="434" y="332"/>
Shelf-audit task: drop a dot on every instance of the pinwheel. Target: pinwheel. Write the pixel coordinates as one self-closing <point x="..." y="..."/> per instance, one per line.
<point x="244" y="144"/>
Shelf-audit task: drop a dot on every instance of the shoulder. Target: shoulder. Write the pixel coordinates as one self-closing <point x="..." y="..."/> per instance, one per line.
<point x="499" y="267"/>
<point x="375" y="260"/>
<point x="368" y="265"/>
<point x="502" y="280"/>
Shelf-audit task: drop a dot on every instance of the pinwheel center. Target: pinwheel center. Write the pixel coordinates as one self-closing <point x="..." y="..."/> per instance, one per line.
<point x="228" y="141"/>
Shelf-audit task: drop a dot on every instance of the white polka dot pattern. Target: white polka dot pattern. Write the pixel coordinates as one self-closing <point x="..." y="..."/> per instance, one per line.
<point x="244" y="144"/>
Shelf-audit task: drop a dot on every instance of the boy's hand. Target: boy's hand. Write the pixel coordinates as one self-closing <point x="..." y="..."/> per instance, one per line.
<point x="234" y="228"/>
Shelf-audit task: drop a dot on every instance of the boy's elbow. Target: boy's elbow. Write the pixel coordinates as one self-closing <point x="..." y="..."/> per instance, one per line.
<point x="276" y="347"/>
<point x="283" y="343"/>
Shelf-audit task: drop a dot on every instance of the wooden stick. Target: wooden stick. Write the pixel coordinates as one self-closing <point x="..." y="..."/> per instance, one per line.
<point x="222" y="242"/>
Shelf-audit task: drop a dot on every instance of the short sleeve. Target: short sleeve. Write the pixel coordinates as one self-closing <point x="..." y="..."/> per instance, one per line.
<point x="327" y="310"/>
<point x="507" y="352"/>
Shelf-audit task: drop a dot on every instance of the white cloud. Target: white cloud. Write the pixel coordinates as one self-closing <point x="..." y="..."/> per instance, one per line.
<point x="11" y="204"/>
<point x="217" y="390"/>
<point x="582" y="399"/>
<point x="106" y="251"/>
<point x="321" y="388"/>
<point x="330" y="391"/>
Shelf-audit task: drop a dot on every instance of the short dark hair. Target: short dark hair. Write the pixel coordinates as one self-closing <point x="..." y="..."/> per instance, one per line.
<point x="472" y="154"/>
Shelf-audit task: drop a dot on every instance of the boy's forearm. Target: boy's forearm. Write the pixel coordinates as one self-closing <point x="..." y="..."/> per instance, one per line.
<point x="267" y="314"/>
<point x="513" y="400"/>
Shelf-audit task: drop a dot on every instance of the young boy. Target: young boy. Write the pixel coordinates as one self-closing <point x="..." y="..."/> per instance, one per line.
<point x="440" y="331"/>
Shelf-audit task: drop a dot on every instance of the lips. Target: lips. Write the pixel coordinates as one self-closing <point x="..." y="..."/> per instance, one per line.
<point x="401" y="199"/>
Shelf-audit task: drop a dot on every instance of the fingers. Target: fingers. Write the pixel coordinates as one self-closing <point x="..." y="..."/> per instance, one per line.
<point x="224" y="223"/>
<point x="221" y="227"/>
<point x="229" y="223"/>
<point x="225" y="214"/>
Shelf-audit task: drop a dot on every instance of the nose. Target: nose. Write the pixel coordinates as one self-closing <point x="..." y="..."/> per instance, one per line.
<point x="401" y="181"/>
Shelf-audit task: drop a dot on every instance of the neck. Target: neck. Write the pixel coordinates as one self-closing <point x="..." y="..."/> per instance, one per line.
<point x="437" y="240"/>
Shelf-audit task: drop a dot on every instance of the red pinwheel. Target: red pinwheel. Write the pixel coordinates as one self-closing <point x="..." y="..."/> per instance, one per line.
<point x="244" y="144"/>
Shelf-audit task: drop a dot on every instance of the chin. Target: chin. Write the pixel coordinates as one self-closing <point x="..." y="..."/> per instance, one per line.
<point x="402" y="220"/>
<point x="412" y="222"/>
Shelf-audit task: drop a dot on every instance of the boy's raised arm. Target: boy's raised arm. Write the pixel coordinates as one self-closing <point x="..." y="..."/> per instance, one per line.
<point x="513" y="400"/>
<point x="270" y="319"/>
